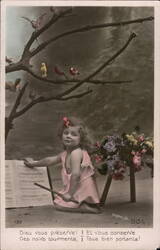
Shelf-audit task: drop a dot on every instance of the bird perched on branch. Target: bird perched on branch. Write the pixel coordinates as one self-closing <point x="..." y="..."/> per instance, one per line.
<point x="37" y="23"/>
<point x="59" y="72"/>
<point x="73" y="71"/>
<point x="9" y="60"/>
<point x="43" y="70"/>
<point x="13" y="86"/>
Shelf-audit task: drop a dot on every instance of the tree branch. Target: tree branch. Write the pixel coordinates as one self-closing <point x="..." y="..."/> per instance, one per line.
<point x="132" y="36"/>
<point x="28" y="106"/>
<point x="97" y="82"/>
<point x="21" y="65"/>
<point x="37" y="33"/>
<point x="57" y="82"/>
<point x="69" y="97"/>
<point x="61" y="81"/>
<point x="46" y="99"/>
<point x="60" y="96"/>
<point x="88" y="28"/>
<point x="17" y="102"/>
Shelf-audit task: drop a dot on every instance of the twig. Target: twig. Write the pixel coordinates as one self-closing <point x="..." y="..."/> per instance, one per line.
<point x="132" y="36"/>
<point x="54" y="192"/>
<point x="26" y="56"/>
<point x="17" y="102"/>
<point x="88" y="28"/>
<point x="67" y="92"/>
<point x="37" y="33"/>
<point x="46" y="99"/>
<point x="69" y="81"/>
<point x="68" y="97"/>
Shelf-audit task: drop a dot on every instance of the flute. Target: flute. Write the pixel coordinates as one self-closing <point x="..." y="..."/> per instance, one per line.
<point x="54" y="192"/>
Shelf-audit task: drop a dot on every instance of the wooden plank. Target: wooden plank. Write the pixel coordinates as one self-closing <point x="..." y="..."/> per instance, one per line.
<point x="106" y="190"/>
<point x="132" y="184"/>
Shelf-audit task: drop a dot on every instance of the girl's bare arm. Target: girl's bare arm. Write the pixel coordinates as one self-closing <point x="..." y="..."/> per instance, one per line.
<point x="76" y="159"/>
<point x="43" y="162"/>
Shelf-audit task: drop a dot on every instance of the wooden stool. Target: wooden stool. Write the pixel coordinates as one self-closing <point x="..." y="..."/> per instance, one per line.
<point x="132" y="187"/>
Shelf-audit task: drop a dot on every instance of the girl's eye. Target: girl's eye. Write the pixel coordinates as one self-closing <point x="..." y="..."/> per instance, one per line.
<point x="74" y="134"/>
<point x="65" y="132"/>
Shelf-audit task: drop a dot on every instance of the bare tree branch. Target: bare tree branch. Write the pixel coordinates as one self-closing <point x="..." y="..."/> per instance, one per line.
<point x="28" y="106"/>
<point x="88" y="28"/>
<point x="69" y="81"/>
<point x="132" y="36"/>
<point x="17" y="102"/>
<point x="37" y="33"/>
<point x="61" y="96"/>
<point x="27" y="54"/>
<point x="97" y="82"/>
<point x="24" y="62"/>
<point x="57" y="82"/>
<point x="69" y="97"/>
<point x="46" y="99"/>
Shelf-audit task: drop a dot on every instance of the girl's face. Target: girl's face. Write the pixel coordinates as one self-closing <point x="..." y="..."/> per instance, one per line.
<point x="71" y="137"/>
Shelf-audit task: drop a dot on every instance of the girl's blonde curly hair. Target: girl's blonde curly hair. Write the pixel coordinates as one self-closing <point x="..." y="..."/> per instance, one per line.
<point x="86" y="141"/>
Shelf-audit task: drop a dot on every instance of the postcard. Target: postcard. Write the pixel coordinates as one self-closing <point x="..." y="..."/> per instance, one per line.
<point x="80" y="122"/>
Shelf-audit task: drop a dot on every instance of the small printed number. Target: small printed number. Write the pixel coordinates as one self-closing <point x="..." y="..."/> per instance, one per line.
<point x="18" y="221"/>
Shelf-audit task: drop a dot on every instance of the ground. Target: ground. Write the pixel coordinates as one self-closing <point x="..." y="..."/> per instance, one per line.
<point x="117" y="212"/>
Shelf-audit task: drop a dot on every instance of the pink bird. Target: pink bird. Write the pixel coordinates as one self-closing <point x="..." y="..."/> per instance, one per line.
<point x="59" y="72"/>
<point x="13" y="86"/>
<point x="73" y="71"/>
<point x="9" y="60"/>
<point x="36" y="24"/>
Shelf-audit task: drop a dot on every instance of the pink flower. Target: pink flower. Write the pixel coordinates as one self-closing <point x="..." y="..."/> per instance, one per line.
<point x="98" y="158"/>
<point x="97" y="144"/>
<point x="141" y="138"/>
<point x="144" y="151"/>
<point x="137" y="160"/>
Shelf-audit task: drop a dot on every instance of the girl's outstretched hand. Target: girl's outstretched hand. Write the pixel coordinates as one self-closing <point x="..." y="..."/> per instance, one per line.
<point x="28" y="162"/>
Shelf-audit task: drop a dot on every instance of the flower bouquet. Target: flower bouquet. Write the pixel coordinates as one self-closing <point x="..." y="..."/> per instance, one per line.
<point x="116" y="153"/>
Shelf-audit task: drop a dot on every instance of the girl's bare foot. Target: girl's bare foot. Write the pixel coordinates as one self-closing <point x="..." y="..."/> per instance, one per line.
<point x="89" y="209"/>
<point x="84" y="208"/>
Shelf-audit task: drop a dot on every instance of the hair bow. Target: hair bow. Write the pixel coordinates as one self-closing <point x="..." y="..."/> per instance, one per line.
<point x="66" y="122"/>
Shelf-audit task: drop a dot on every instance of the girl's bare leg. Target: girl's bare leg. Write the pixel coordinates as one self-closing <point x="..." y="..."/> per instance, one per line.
<point x="84" y="208"/>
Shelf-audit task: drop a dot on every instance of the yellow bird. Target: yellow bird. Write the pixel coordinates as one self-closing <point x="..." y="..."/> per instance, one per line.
<point x="43" y="70"/>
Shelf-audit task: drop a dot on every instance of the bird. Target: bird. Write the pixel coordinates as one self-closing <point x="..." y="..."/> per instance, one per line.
<point x="36" y="24"/>
<point x="59" y="72"/>
<point x="43" y="70"/>
<point x="73" y="71"/>
<point x="13" y="86"/>
<point x="9" y="60"/>
<point x="17" y="84"/>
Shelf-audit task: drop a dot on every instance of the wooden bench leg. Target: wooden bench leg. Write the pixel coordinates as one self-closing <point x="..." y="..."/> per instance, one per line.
<point x="50" y="182"/>
<point x="106" y="190"/>
<point x="132" y="184"/>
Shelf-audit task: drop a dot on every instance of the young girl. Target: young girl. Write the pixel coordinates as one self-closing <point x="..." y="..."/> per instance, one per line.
<point x="77" y="169"/>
